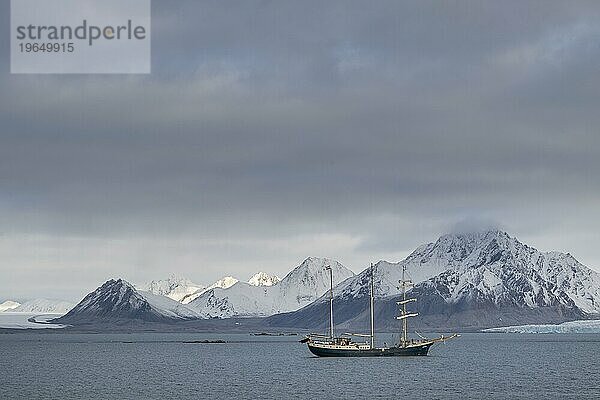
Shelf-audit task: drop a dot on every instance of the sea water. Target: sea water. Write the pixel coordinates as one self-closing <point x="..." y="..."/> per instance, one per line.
<point x="164" y="366"/>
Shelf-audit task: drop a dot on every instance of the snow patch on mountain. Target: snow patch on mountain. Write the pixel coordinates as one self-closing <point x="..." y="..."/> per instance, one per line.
<point x="8" y="305"/>
<point x="263" y="279"/>
<point x="44" y="306"/>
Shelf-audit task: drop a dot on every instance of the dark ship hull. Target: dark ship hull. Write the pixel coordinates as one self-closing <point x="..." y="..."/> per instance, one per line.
<point x="338" y="351"/>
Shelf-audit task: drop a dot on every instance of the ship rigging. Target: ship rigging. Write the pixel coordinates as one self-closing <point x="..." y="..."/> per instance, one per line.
<point x="344" y="346"/>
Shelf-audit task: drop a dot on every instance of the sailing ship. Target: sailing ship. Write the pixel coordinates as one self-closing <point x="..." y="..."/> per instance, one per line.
<point x="344" y="346"/>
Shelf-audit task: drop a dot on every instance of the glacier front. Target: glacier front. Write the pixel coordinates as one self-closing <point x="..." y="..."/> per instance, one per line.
<point x="582" y="326"/>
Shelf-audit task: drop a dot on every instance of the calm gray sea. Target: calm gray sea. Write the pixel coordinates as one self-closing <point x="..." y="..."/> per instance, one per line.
<point x="162" y="366"/>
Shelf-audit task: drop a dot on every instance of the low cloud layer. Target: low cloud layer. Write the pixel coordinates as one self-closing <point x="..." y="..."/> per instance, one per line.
<point x="272" y="131"/>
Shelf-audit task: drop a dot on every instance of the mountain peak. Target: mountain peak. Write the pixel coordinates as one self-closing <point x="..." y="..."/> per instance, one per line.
<point x="123" y="282"/>
<point x="315" y="263"/>
<point x="9" y="305"/>
<point x="460" y="246"/>
<point x="224" y="283"/>
<point x="476" y="237"/>
<point x="114" y="298"/>
<point x="118" y="300"/>
<point x="114" y="285"/>
<point x="313" y="267"/>
<point x="263" y="279"/>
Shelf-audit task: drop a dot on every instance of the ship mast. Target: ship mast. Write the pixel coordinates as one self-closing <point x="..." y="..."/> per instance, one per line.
<point x="330" y="300"/>
<point x="405" y="315"/>
<point x="405" y="320"/>
<point x="372" y="308"/>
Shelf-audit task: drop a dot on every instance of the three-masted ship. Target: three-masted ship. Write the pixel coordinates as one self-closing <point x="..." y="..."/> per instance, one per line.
<point x="344" y="346"/>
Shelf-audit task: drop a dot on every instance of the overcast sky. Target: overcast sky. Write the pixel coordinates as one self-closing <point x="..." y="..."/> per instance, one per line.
<point x="272" y="131"/>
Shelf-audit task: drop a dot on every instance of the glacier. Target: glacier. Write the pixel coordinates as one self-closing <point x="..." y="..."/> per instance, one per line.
<point x="23" y="320"/>
<point x="44" y="306"/>
<point x="581" y="326"/>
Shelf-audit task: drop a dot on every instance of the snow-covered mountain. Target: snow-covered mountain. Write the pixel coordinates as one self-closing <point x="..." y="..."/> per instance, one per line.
<point x="263" y="279"/>
<point x="471" y="279"/>
<point x="8" y="305"/>
<point x="467" y="280"/>
<point x="309" y="281"/>
<point x="497" y="269"/>
<point x="175" y="287"/>
<point x="300" y="287"/>
<point x="223" y="283"/>
<point x="489" y="265"/>
<point x="44" y="306"/>
<point x="119" y="300"/>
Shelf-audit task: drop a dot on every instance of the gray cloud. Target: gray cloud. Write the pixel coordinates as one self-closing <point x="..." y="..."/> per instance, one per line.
<point x="270" y="131"/>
